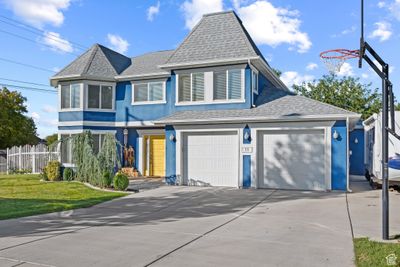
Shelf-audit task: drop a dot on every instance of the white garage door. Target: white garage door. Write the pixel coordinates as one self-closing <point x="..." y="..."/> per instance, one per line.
<point x="211" y="159"/>
<point x="292" y="159"/>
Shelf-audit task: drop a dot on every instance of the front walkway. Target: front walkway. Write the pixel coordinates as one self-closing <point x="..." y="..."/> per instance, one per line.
<point x="188" y="226"/>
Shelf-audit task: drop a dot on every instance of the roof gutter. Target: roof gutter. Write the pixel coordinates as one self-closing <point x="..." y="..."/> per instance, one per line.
<point x="206" y="63"/>
<point x="142" y="77"/>
<point x="56" y="79"/>
<point x="260" y="119"/>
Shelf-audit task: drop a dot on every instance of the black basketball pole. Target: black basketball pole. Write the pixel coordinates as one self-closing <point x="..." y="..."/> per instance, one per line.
<point x="386" y="106"/>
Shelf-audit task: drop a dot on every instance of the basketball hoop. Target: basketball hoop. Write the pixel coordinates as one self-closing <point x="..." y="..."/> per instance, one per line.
<point x="335" y="58"/>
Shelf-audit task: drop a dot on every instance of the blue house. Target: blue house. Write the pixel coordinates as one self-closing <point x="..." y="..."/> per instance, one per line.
<point x="210" y="112"/>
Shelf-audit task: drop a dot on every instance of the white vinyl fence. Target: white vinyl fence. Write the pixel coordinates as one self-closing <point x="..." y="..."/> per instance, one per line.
<point x="29" y="158"/>
<point x="3" y="161"/>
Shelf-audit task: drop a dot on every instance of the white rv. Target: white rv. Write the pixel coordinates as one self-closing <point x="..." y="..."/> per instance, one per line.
<point x="373" y="148"/>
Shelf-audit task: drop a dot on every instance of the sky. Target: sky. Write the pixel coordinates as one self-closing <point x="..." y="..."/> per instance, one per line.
<point x="46" y="35"/>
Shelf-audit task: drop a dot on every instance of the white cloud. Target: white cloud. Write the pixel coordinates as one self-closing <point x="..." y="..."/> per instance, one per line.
<point x="382" y="31"/>
<point x="118" y="43"/>
<point x="195" y="9"/>
<point x="311" y="66"/>
<point x="56" y="43"/>
<point x="152" y="11"/>
<point x="346" y="70"/>
<point x="381" y="4"/>
<point x="273" y="26"/>
<point x="35" y="116"/>
<point x="49" y="109"/>
<point x="292" y="77"/>
<point x="39" y="12"/>
<point x="394" y="8"/>
<point x="365" y="75"/>
<point x="49" y="122"/>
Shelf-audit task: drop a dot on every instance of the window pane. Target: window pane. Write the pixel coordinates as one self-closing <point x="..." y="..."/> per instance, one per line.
<point x="184" y="87"/>
<point x="65" y="149"/>
<point x="65" y="96"/>
<point x="254" y="82"/>
<point x="93" y="96"/>
<point x="219" y="85"/>
<point x="96" y="145"/>
<point x="141" y="92"/>
<point x="156" y="91"/>
<point x="75" y="96"/>
<point x="106" y="97"/>
<point x="234" y="84"/>
<point x="198" y="87"/>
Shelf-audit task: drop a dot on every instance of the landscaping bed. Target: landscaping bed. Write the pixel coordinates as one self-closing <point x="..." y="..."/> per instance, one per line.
<point x="24" y="195"/>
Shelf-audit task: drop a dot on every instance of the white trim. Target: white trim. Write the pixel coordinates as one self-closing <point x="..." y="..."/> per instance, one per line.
<point x="143" y="76"/>
<point x="257" y="119"/>
<point x="138" y="103"/>
<point x="76" y="131"/>
<point x="135" y="124"/>
<point x="86" y="123"/>
<point x="206" y="63"/>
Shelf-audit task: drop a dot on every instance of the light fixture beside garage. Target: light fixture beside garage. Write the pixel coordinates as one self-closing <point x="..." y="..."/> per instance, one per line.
<point x="172" y="137"/>
<point x="336" y="135"/>
<point x="246" y="136"/>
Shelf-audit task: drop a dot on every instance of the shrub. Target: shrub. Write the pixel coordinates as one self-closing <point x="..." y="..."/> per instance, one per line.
<point x="121" y="181"/>
<point x="68" y="174"/>
<point x="107" y="179"/>
<point x="43" y="175"/>
<point x="53" y="170"/>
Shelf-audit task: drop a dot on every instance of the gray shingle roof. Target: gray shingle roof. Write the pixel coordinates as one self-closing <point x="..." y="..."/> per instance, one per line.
<point x="148" y="64"/>
<point x="217" y="36"/>
<point x="273" y="103"/>
<point x="98" y="61"/>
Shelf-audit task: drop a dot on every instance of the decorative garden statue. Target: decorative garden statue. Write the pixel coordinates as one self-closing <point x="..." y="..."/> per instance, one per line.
<point x="126" y="156"/>
<point x="131" y="156"/>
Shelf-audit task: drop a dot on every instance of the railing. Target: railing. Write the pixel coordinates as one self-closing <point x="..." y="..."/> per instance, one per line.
<point x="29" y="158"/>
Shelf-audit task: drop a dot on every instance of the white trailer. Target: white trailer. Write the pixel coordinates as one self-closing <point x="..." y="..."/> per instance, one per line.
<point x="373" y="148"/>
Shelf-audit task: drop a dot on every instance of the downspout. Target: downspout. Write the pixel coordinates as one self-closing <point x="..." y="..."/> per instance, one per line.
<point x="251" y="83"/>
<point x="348" y="156"/>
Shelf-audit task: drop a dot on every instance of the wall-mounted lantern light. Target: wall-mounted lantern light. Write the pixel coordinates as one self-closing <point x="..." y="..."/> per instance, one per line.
<point x="125" y="137"/>
<point x="246" y="136"/>
<point x="172" y="137"/>
<point x="335" y="135"/>
<point x="356" y="141"/>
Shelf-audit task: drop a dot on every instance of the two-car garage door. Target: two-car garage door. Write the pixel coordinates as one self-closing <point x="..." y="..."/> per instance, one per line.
<point x="287" y="159"/>
<point x="292" y="159"/>
<point x="211" y="158"/>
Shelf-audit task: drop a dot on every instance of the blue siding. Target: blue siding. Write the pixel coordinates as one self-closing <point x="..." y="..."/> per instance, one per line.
<point x="170" y="155"/>
<point x="128" y="112"/>
<point x="86" y="115"/>
<point x="263" y="84"/>
<point x="246" y="171"/>
<point x="357" y="152"/>
<point x="339" y="157"/>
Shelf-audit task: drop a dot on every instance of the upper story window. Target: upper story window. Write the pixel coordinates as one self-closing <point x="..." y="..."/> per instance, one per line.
<point x="71" y="96"/>
<point x="100" y="97"/>
<point x="151" y="92"/>
<point x="191" y="87"/>
<point x="228" y="84"/>
<point x="254" y="81"/>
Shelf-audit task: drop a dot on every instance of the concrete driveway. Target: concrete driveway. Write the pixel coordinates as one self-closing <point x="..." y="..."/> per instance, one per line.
<point x="188" y="226"/>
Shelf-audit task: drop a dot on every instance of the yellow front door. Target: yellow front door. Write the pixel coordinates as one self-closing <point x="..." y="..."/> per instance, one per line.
<point x="157" y="155"/>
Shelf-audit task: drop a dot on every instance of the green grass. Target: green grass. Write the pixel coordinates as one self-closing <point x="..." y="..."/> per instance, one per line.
<point x="24" y="195"/>
<point x="372" y="253"/>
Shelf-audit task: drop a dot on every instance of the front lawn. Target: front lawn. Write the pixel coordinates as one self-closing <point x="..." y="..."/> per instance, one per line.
<point x="372" y="253"/>
<point x="24" y="195"/>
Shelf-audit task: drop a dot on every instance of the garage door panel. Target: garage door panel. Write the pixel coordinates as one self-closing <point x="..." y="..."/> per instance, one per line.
<point x="293" y="160"/>
<point x="211" y="159"/>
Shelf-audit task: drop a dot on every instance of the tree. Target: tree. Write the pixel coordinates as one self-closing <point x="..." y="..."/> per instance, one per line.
<point x="50" y="139"/>
<point x="347" y="93"/>
<point x="15" y="127"/>
<point x="277" y="72"/>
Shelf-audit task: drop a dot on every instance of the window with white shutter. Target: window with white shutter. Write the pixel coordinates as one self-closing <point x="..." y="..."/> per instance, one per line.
<point x="151" y="92"/>
<point x="219" y="85"/>
<point x="234" y="84"/>
<point x="184" y="88"/>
